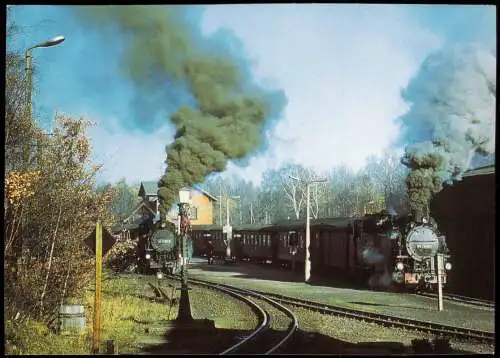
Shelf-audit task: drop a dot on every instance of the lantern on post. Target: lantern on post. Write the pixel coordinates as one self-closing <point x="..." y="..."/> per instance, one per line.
<point x="184" y="228"/>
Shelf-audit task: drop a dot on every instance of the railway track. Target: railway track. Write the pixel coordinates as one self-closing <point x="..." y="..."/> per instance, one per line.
<point x="266" y="338"/>
<point x="461" y="299"/>
<point x="439" y="330"/>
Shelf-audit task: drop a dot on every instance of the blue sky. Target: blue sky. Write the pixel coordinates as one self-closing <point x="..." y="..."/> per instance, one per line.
<point x="342" y="68"/>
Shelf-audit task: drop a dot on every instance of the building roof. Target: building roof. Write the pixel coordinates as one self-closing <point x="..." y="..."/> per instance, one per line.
<point x="484" y="170"/>
<point x="142" y="204"/>
<point x="205" y="192"/>
<point x="150" y="188"/>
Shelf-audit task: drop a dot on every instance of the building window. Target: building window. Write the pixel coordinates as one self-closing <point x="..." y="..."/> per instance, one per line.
<point x="194" y="213"/>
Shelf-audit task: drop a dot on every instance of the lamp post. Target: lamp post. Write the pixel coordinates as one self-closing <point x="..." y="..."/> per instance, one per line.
<point x="307" y="261"/>
<point x="184" y="315"/>
<point x="29" y="78"/>
<point x="229" y="231"/>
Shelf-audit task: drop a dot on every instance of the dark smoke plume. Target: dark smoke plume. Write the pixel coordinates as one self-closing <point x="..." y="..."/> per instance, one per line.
<point x="452" y="118"/>
<point x="225" y="115"/>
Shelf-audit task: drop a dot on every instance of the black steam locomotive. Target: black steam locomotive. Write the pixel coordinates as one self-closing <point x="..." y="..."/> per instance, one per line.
<point x="411" y="247"/>
<point x="381" y="250"/>
<point x="158" y="248"/>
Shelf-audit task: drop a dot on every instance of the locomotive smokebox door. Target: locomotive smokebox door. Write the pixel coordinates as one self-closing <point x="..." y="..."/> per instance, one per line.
<point x="163" y="241"/>
<point x="293" y="241"/>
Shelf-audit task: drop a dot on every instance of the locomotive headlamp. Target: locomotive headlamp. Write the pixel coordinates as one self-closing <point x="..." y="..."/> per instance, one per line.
<point x="159" y="274"/>
<point x="400" y="266"/>
<point x="148" y="256"/>
<point x="447" y="266"/>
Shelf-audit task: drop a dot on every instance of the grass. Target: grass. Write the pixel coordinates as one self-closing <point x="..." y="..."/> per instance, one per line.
<point x="409" y="306"/>
<point x="349" y="331"/>
<point x="35" y="338"/>
<point x="226" y="312"/>
<point x="124" y="306"/>
<point x="280" y="321"/>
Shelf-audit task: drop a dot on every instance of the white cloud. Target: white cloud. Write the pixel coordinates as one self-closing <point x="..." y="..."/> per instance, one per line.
<point x="342" y="68"/>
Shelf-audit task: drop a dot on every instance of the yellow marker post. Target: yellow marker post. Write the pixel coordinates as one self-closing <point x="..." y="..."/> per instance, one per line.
<point x="97" y="299"/>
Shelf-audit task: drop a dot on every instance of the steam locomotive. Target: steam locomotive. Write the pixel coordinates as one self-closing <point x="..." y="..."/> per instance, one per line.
<point x="159" y="248"/>
<point x="381" y="250"/>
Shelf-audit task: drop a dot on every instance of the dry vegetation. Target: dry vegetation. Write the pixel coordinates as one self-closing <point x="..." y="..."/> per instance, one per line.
<point x="126" y="311"/>
<point x="50" y="207"/>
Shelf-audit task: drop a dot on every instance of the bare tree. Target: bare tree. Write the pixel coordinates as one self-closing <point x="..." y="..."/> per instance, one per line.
<point x="389" y="174"/>
<point x="318" y="192"/>
<point x="293" y="189"/>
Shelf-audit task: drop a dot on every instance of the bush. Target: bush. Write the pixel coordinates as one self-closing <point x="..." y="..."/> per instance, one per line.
<point x="122" y="255"/>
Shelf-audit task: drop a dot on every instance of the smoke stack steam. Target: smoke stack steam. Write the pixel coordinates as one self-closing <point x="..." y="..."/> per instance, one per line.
<point x="452" y="117"/>
<point x="372" y="256"/>
<point x="223" y="113"/>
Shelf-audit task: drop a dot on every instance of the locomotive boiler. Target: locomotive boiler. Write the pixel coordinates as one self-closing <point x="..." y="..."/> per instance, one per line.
<point x="159" y="249"/>
<point x="416" y="248"/>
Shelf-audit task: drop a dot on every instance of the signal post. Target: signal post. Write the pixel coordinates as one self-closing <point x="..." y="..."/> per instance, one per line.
<point x="184" y="330"/>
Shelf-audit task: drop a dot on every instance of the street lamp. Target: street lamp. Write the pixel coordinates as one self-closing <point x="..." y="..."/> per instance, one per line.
<point x="307" y="261"/>
<point x="229" y="231"/>
<point x="29" y="77"/>
<point x="184" y="314"/>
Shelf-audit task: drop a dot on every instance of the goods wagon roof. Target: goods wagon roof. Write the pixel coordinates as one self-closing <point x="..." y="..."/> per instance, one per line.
<point x="255" y="227"/>
<point x="485" y="170"/>
<point x="249" y="227"/>
<point x="206" y="227"/>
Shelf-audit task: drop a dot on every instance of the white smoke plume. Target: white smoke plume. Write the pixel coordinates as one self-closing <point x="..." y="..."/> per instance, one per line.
<point x="372" y="256"/>
<point x="452" y="118"/>
<point x="453" y="101"/>
<point x="380" y="280"/>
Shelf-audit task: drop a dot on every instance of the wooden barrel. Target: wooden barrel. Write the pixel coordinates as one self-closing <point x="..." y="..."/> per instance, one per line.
<point x="71" y="319"/>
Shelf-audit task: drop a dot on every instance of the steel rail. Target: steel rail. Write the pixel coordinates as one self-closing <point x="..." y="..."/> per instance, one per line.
<point x="461" y="299"/>
<point x="264" y="325"/>
<point x="293" y="326"/>
<point x="407" y="323"/>
<point x="440" y="330"/>
<point x="266" y="318"/>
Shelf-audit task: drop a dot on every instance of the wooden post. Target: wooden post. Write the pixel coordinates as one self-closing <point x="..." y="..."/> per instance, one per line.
<point x="97" y="298"/>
